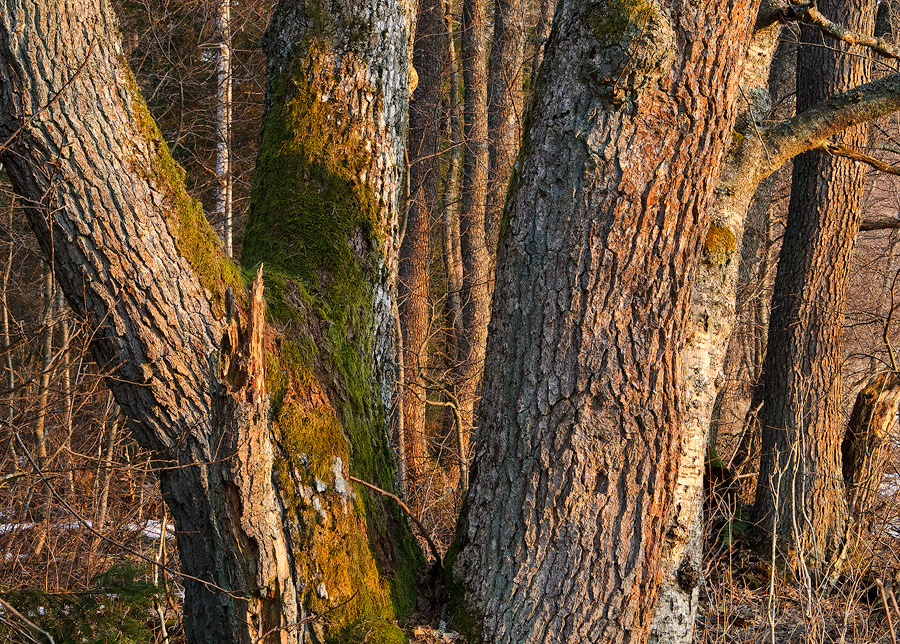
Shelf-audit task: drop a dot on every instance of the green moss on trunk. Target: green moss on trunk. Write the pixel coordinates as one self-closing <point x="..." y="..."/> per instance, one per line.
<point x="194" y="237"/>
<point x="314" y="224"/>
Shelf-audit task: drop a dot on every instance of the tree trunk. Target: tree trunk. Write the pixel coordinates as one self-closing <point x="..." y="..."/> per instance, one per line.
<point x="475" y="256"/>
<point x="542" y="33"/>
<point x="863" y="446"/>
<point x="575" y="459"/>
<point x="800" y="496"/>
<point x="452" y="253"/>
<point x="223" y="125"/>
<point x="258" y="426"/>
<point x="710" y="323"/>
<point x="505" y="101"/>
<point x="415" y="251"/>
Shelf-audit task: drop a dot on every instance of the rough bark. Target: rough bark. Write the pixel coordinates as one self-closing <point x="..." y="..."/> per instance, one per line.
<point x="506" y="68"/>
<point x="476" y="299"/>
<point x="258" y="425"/>
<point x="800" y="496"/>
<point x="451" y="247"/>
<point x="575" y="459"/>
<point x="871" y="421"/>
<point x="415" y="250"/>
<point x="711" y="320"/>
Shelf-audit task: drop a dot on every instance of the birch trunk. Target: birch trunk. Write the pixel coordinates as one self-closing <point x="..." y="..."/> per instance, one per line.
<point x="710" y="324"/>
<point x="223" y="125"/>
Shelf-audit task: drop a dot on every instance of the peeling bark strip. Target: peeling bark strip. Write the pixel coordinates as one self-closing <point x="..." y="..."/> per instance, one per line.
<point x="581" y="409"/>
<point x="257" y="429"/>
<point x="870" y="422"/>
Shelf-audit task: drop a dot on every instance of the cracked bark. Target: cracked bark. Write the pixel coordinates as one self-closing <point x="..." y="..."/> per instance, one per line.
<point x="574" y="472"/>
<point x="415" y="251"/>
<point x="800" y="495"/>
<point x="475" y="295"/>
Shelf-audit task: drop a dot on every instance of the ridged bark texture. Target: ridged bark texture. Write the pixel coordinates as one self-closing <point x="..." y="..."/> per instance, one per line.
<point x="575" y="459"/>
<point x="800" y="495"/>
<point x="415" y="251"/>
<point x="191" y="360"/>
<point x="711" y="321"/>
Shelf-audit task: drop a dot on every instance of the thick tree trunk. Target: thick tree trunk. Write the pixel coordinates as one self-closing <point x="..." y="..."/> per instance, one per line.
<point x="415" y="251"/>
<point x="259" y="426"/>
<point x="476" y="299"/>
<point x="581" y="414"/>
<point x="506" y="68"/>
<point x="800" y="496"/>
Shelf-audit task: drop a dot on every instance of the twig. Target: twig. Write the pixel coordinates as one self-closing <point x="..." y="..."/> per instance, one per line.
<point x="843" y="151"/>
<point x="90" y="528"/>
<point x="887" y="609"/>
<point x="405" y="508"/>
<point x="8" y="607"/>
<point x="837" y="32"/>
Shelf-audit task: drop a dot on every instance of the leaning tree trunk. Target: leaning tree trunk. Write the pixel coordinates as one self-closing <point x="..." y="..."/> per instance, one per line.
<point x="415" y="251"/>
<point x="258" y="426"/>
<point x="800" y="496"/>
<point x="575" y="460"/>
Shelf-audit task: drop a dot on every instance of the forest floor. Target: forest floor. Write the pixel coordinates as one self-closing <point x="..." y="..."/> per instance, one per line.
<point x="743" y="601"/>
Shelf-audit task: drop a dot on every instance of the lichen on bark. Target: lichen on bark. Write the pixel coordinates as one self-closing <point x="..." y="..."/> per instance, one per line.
<point x="635" y="46"/>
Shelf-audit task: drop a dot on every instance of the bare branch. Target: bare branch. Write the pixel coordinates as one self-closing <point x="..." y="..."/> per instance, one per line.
<point x="837" y="32"/>
<point x="813" y="128"/>
<point x="880" y="223"/>
<point x="12" y="609"/>
<point x="848" y="153"/>
<point x="405" y="508"/>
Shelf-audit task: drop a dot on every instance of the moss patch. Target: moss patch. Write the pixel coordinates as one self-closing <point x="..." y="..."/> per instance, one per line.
<point x="610" y="21"/>
<point x="195" y="239"/>
<point x="719" y="246"/>
<point x="372" y="631"/>
<point x="314" y="224"/>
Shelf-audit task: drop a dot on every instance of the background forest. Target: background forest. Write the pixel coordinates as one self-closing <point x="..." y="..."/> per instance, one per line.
<point x="87" y="552"/>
